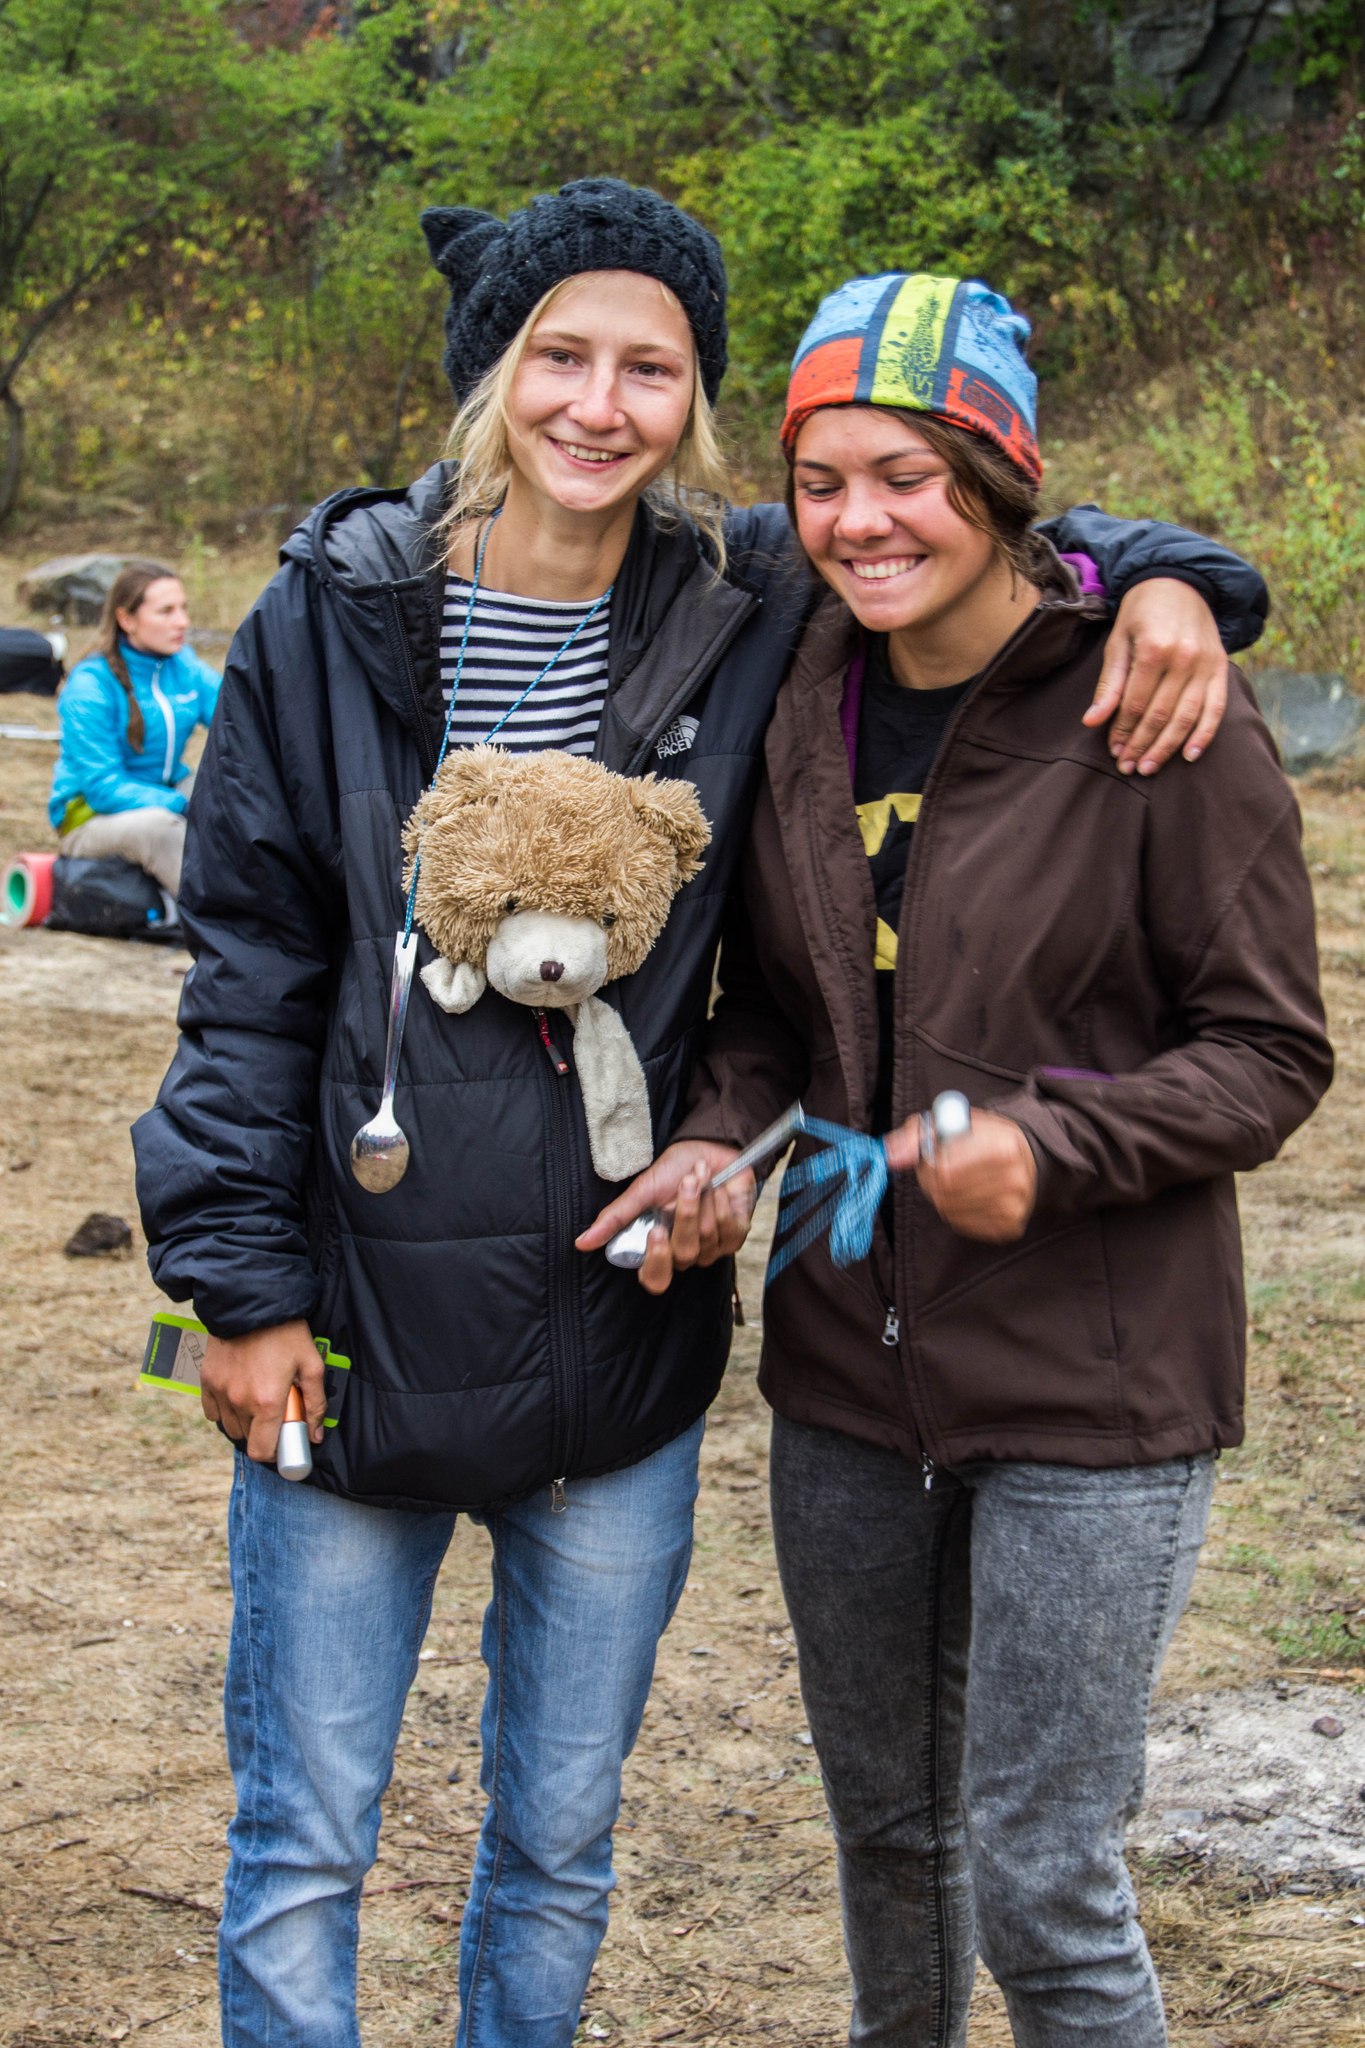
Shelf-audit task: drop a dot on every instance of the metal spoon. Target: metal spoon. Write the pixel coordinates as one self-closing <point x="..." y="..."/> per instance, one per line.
<point x="631" y="1241"/>
<point x="379" y="1150"/>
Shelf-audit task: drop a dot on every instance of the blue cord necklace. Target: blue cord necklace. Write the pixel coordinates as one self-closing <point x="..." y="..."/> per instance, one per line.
<point x="557" y="656"/>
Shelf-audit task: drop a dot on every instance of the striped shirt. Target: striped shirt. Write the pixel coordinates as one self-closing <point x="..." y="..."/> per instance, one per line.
<point x="510" y="641"/>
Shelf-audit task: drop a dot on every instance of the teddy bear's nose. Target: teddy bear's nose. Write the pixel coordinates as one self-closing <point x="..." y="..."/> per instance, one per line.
<point x="551" y="970"/>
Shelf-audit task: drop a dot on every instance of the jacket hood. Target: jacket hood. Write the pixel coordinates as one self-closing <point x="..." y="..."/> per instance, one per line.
<point x="360" y="538"/>
<point x="377" y="570"/>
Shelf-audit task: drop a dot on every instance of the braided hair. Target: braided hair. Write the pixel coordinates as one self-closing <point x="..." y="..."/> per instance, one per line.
<point x="125" y="594"/>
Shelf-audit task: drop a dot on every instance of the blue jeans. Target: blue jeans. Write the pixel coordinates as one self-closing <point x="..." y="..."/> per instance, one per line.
<point x="332" y="1601"/>
<point x="977" y="1661"/>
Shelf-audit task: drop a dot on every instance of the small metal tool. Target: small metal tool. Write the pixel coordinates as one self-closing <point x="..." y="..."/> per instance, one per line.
<point x="294" y="1453"/>
<point x="631" y="1242"/>
<point x="950" y="1118"/>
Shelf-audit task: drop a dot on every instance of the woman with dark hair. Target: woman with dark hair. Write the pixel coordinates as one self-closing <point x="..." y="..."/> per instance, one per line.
<point x="121" y="786"/>
<point x="573" y="580"/>
<point x="994" y="1440"/>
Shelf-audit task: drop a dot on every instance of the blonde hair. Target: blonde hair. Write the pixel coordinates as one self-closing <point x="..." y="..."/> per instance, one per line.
<point x="694" y="487"/>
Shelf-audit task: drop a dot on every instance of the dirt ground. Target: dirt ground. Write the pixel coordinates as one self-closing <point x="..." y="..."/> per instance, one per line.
<point x="114" y="1608"/>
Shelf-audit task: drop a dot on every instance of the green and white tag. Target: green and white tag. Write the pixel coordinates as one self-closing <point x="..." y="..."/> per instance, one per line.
<point x="175" y="1353"/>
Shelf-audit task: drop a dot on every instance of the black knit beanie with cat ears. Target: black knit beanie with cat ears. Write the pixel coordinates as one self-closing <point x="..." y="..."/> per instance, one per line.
<point x="499" y="270"/>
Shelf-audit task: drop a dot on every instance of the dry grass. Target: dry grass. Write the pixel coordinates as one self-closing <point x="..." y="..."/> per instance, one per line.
<point x="1263" y="446"/>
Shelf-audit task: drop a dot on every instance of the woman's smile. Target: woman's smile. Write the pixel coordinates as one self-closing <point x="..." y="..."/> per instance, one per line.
<point x="594" y="458"/>
<point x="876" y="516"/>
<point x="881" y="570"/>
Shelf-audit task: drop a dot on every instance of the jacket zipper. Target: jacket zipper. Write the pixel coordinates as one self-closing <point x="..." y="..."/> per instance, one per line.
<point x="424" y="739"/>
<point x="168" y="716"/>
<point x="891" y="1327"/>
<point x="566" y="1358"/>
<point x="891" y="1337"/>
<point x="913" y="862"/>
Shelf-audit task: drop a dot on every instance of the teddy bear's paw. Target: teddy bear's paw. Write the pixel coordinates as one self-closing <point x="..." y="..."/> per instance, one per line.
<point x="615" y="1098"/>
<point x="454" y="985"/>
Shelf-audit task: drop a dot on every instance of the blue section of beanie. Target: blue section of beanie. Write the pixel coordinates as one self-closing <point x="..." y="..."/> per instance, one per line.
<point x="990" y="340"/>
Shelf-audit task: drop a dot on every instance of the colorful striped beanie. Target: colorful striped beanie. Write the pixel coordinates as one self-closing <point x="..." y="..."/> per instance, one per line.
<point x="943" y="345"/>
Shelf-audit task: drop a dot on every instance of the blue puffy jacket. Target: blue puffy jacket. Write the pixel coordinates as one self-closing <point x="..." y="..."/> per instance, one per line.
<point x="175" y="693"/>
<point x="488" y="1357"/>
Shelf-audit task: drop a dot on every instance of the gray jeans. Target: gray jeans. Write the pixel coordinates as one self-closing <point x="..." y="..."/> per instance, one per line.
<point x="977" y="1660"/>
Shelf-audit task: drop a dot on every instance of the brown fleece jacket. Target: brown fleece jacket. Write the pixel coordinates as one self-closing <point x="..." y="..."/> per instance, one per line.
<point x="1124" y="966"/>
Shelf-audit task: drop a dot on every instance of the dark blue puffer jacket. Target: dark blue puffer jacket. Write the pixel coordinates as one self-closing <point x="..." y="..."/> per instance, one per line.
<point x="488" y="1356"/>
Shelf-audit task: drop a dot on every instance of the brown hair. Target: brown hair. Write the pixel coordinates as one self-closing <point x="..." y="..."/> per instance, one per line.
<point x="125" y="594"/>
<point x="984" y="487"/>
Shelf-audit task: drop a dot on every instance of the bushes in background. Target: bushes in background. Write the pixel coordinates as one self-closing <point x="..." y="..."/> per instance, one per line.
<point x="265" y="327"/>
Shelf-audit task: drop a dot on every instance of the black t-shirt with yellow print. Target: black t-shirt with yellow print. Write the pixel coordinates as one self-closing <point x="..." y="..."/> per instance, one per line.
<point x="899" y="734"/>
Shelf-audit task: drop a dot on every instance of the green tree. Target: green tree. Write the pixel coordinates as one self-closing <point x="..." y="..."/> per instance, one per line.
<point x="817" y="136"/>
<point x="352" y="319"/>
<point x="122" y="124"/>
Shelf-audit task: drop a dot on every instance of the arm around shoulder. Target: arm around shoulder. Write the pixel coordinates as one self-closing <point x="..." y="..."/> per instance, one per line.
<point x="1131" y="551"/>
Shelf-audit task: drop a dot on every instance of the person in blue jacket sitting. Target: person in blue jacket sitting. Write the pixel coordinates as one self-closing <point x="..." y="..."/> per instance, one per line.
<point x="121" y="785"/>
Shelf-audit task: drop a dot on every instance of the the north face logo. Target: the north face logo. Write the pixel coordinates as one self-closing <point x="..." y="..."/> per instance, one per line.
<point x="677" y="738"/>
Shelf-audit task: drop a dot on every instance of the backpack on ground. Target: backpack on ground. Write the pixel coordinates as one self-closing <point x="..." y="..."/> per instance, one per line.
<point x="28" y="661"/>
<point x="111" y="899"/>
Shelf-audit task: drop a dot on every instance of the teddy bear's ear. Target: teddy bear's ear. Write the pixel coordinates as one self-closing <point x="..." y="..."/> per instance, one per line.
<point x="469" y="777"/>
<point x="472" y="775"/>
<point x="673" y="810"/>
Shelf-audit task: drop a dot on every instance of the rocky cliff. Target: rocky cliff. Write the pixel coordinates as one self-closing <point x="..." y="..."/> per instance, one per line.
<point x="1213" y="59"/>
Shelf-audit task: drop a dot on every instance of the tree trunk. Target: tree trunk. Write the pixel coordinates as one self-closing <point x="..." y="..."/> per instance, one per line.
<point x="12" y="468"/>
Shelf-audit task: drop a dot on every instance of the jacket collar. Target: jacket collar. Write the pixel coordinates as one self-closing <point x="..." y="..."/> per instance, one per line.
<point x="142" y="668"/>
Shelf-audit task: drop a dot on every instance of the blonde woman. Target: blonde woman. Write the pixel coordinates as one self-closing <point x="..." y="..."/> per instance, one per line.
<point x="575" y="581"/>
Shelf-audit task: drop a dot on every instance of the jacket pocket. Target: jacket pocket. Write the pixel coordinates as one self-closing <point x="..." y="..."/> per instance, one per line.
<point x="1025" y="1347"/>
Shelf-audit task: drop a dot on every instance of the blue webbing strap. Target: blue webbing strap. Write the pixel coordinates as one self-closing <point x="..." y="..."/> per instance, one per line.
<point x="838" y="1191"/>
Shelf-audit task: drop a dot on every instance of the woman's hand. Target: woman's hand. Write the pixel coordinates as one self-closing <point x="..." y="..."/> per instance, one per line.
<point x="983" y="1185"/>
<point x="245" y="1381"/>
<point x="1165" y="677"/>
<point x="708" y="1223"/>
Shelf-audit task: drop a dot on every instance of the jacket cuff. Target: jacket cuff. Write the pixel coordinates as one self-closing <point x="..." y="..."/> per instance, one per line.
<point x="1236" y="630"/>
<point x="707" y="1124"/>
<point x="1057" y="1192"/>
<point x="231" y="1304"/>
<point x="1175" y="574"/>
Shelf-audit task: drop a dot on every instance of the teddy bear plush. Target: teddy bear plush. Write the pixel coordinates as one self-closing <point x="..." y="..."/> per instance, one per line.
<point x="548" y="875"/>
